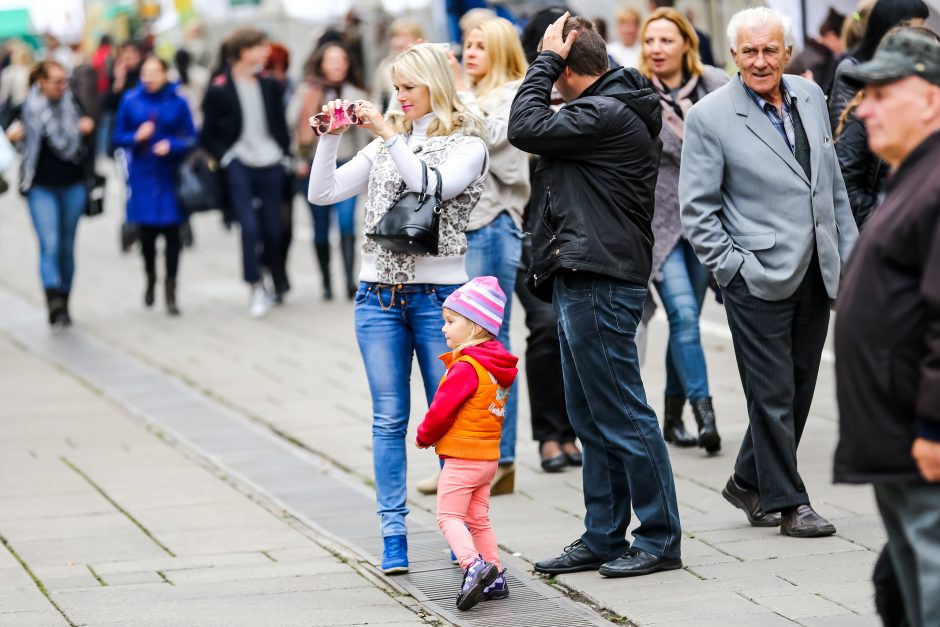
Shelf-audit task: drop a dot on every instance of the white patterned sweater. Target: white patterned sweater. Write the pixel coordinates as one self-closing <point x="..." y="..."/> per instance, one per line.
<point x="379" y="168"/>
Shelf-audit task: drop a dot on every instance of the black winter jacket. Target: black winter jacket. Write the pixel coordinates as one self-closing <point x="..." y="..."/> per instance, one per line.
<point x="597" y="176"/>
<point x="222" y="113"/>
<point x="887" y="331"/>
<point x="863" y="172"/>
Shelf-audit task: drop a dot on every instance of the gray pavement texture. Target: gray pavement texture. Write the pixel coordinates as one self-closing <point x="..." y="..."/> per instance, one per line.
<point x="125" y="523"/>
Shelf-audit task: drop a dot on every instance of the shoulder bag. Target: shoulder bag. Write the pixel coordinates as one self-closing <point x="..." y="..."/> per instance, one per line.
<point x="412" y="224"/>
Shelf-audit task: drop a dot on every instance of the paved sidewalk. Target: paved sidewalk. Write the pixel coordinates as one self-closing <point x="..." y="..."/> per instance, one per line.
<point x="298" y="373"/>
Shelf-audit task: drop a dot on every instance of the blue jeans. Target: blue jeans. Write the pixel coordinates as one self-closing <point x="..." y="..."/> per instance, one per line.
<point x="263" y="228"/>
<point x="494" y="250"/>
<point x="393" y="325"/>
<point x="56" y="212"/>
<point x="682" y="290"/>
<point x="625" y="457"/>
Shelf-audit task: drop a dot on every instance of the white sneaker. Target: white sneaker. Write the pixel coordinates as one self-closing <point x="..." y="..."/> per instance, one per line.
<point x="258" y="302"/>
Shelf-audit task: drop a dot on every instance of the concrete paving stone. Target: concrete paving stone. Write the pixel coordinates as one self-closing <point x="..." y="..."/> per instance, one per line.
<point x="114" y="547"/>
<point x="43" y="618"/>
<point x="67" y="527"/>
<point x="747" y="620"/>
<point x="856" y="596"/>
<point x="855" y="564"/>
<point x="843" y="621"/>
<point x="739" y="533"/>
<point x="337" y="572"/>
<point x="709" y="606"/>
<point x="298" y="553"/>
<point x="802" y="605"/>
<point x="783" y="546"/>
<point x="208" y="516"/>
<point x="23" y="600"/>
<point x="698" y="553"/>
<point x="180" y="562"/>
<point x="133" y="579"/>
<point x="231" y="539"/>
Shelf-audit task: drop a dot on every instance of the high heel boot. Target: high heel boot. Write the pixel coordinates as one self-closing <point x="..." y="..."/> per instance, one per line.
<point x="348" y="248"/>
<point x="673" y="428"/>
<point x="708" y="437"/>
<point x="171" y="307"/>
<point x="323" y="258"/>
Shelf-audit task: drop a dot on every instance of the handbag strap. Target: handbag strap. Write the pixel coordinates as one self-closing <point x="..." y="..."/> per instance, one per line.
<point x="424" y="184"/>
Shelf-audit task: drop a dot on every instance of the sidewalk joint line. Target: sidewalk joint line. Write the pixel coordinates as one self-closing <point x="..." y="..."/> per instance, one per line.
<point x="36" y="580"/>
<point x="115" y="504"/>
<point x="840" y="604"/>
<point x="268" y="555"/>
<point x="96" y="575"/>
<point x="165" y="578"/>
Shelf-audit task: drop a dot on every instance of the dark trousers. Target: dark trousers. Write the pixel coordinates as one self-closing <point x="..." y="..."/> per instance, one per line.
<point x="911" y="514"/>
<point x="543" y="368"/>
<point x="778" y="345"/>
<point x="625" y="457"/>
<point x="262" y="228"/>
<point x="148" y="246"/>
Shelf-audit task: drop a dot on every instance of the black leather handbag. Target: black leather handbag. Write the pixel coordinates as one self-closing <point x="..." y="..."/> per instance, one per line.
<point x="412" y="224"/>
<point x="198" y="185"/>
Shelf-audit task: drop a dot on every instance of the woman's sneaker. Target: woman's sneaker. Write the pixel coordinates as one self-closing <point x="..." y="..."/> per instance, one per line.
<point x="499" y="589"/>
<point x="395" y="555"/>
<point x="476" y="578"/>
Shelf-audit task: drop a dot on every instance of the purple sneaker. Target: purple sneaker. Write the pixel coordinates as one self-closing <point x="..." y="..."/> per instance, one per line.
<point x="476" y="578"/>
<point x="499" y="589"/>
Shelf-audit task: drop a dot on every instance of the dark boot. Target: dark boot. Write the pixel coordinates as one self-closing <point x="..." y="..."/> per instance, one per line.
<point x="323" y="257"/>
<point x="171" y="307"/>
<point x="55" y="301"/>
<point x="708" y="437"/>
<point x="149" y="292"/>
<point x="673" y="428"/>
<point x="348" y="248"/>
<point x="66" y="316"/>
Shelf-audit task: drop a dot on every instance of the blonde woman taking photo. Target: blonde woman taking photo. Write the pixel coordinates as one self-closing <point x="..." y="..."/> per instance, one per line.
<point x="399" y="300"/>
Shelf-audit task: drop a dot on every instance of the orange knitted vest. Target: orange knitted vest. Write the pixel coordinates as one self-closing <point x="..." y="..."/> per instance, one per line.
<point x="476" y="431"/>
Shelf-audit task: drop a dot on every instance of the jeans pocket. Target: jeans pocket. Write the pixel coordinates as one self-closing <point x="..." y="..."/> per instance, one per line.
<point x="626" y="303"/>
<point x="574" y="286"/>
<point x="440" y="293"/>
<point x="362" y="295"/>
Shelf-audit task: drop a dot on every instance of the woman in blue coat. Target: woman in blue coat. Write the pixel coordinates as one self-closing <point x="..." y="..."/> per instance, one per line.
<point x="155" y="128"/>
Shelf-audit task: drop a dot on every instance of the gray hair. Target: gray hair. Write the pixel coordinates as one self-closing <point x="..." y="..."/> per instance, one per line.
<point x="759" y="16"/>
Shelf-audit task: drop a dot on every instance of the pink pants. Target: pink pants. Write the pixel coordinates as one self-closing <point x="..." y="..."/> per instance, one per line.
<point x="463" y="505"/>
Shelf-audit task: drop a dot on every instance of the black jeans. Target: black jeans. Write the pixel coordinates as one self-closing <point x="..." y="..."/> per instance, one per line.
<point x="543" y="368"/>
<point x="148" y="245"/>
<point x="778" y="345"/>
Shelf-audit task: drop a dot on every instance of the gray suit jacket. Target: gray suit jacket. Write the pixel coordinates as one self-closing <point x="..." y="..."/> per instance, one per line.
<point x="746" y="204"/>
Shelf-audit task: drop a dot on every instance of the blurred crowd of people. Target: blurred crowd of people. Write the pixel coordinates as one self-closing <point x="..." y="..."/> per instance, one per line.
<point x="575" y="172"/>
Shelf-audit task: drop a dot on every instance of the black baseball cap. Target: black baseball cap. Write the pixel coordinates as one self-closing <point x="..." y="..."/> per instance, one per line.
<point x="900" y="55"/>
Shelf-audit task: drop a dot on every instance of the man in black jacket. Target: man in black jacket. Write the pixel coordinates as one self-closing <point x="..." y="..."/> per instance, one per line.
<point x="591" y="250"/>
<point x="245" y="129"/>
<point x="887" y="337"/>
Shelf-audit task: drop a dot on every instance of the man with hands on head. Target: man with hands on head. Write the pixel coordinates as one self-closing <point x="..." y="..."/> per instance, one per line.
<point x="887" y="337"/>
<point x="592" y="257"/>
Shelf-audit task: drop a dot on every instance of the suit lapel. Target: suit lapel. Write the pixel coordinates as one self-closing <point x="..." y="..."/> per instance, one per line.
<point x="757" y="122"/>
<point x="810" y="127"/>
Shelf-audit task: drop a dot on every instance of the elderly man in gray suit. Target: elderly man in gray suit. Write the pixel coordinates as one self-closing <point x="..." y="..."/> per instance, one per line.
<point x="764" y="206"/>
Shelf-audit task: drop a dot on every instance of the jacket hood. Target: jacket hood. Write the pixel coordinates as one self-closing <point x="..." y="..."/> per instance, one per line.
<point x="631" y="88"/>
<point x="494" y="357"/>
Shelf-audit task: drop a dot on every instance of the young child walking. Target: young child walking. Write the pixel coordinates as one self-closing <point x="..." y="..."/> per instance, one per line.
<point x="463" y="425"/>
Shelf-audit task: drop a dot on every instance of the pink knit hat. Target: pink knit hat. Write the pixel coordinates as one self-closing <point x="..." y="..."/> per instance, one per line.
<point x="481" y="301"/>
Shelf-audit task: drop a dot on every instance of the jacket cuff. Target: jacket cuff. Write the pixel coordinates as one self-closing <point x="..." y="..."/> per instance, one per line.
<point x="928" y="429"/>
<point x="555" y="60"/>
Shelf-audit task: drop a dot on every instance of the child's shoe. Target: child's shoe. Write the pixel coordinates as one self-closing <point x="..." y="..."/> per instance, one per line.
<point x="453" y="557"/>
<point x="499" y="589"/>
<point x="476" y="578"/>
<point x="395" y="555"/>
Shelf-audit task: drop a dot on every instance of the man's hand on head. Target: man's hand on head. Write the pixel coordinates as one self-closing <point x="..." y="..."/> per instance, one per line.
<point x="554" y="41"/>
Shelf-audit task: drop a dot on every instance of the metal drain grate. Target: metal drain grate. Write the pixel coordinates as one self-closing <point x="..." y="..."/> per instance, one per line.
<point x="301" y="482"/>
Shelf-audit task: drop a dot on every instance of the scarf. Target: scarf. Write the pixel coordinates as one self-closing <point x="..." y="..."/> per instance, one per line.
<point x="675" y="110"/>
<point x="54" y="122"/>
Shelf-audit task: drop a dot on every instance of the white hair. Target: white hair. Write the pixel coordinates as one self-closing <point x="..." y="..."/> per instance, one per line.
<point x="759" y="16"/>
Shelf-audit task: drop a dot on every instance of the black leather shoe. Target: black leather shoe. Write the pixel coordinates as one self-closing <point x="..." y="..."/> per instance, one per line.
<point x="556" y="463"/>
<point x="636" y="562"/>
<point x="803" y="522"/>
<point x="574" y="459"/>
<point x="749" y="501"/>
<point x="575" y="558"/>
